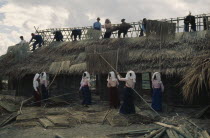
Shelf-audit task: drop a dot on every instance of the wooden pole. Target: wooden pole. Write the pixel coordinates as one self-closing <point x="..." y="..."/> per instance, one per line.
<point x="117" y="58"/>
<point x="131" y="88"/>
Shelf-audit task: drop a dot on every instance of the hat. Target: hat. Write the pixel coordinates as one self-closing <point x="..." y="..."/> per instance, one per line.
<point x="122" y="20"/>
<point x="98" y="18"/>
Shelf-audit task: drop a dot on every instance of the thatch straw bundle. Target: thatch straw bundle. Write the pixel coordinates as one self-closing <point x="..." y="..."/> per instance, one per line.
<point x="96" y="63"/>
<point x="93" y="34"/>
<point x="160" y="28"/>
<point x="20" y="51"/>
<point x="197" y="79"/>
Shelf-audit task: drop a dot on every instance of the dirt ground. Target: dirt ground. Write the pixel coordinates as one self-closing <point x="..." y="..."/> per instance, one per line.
<point x="90" y="124"/>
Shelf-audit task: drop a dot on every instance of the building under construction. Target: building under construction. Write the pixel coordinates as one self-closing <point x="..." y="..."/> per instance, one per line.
<point x="165" y="48"/>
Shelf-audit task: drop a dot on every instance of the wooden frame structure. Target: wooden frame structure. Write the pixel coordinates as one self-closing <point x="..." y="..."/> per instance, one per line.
<point x="133" y="32"/>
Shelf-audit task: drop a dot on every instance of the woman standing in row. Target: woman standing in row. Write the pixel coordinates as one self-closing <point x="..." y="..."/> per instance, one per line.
<point x="37" y="94"/>
<point x="85" y="84"/>
<point x="112" y="84"/>
<point x="128" y="101"/>
<point x="158" y="88"/>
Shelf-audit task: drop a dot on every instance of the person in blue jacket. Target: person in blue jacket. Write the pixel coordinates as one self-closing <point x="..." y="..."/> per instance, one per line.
<point x="38" y="39"/>
<point x="97" y="25"/>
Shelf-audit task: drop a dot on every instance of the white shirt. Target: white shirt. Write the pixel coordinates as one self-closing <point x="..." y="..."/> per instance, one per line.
<point x="22" y="42"/>
<point x="35" y="85"/>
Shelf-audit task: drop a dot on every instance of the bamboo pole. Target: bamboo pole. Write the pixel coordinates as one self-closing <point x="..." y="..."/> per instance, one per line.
<point x="131" y="88"/>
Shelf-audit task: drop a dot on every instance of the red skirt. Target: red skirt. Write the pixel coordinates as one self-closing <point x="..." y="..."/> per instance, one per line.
<point x="114" y="97"/>
<point x="37" y="97"/>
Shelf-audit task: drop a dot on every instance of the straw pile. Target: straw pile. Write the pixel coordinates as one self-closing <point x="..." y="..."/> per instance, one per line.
<point x="197" y="79"/>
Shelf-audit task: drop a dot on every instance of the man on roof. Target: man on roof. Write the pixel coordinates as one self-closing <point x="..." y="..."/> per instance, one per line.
<point x="22" y="41"/>
<point x="75" y="33"/>
<point x="38" y="39"/>
<point x="58" y="36"/>
<point x="97" y="25"/>
<point x="123" y="28"/>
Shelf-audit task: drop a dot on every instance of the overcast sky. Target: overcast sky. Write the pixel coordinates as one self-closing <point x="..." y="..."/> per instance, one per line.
<point x="18" y="17"/>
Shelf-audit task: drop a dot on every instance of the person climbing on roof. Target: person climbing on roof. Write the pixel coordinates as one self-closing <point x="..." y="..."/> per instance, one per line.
<point x="37" y="94"/>
<point x="128" y="99"/>
<point x="123" y="28"/>
<point x="22" y="41"/>
<point x="75" y="33"/>
<point x="58" y="36"/>
<point x="158" y="88"/>
<point x="112" y="84"/>
<point x="85" y="88"/>
<point x="143" y="28"/>
<point x="38" y="39"/>
<point x="192" y="22"/>
<point x="97" y="25"/>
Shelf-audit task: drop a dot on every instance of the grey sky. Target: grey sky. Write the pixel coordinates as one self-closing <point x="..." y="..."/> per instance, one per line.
<point x="18" y="17"/>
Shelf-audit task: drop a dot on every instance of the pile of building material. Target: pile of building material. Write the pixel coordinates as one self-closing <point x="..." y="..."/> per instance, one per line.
<point x="116" y="119"/>
<point x="203" y="113"/>
<point x="186" y="129"/>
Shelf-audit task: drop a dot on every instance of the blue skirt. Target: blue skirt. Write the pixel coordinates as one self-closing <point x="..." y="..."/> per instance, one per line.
<point x="86" y="95"/>
<point x="157" y="99"/>
<point x="128" y="105"/>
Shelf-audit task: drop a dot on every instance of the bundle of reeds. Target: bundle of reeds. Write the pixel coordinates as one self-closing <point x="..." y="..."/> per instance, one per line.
<point x="160" y="28"/>
<point x="114" y="57"/>
<point x="197" y="78"/>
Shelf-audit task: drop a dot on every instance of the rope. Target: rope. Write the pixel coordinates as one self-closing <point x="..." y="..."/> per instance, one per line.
<point x="131" y="88"/>
<point x="117" y="58"/>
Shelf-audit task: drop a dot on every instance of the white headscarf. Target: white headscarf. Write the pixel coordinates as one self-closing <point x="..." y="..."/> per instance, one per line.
<point x="85" y="75"/>
<point x="157" y="74"/>
<point x="43" y="76"/>
<point x="36" y="77"/>
<point x="131" y="75"/>
<point x="113" y="76"/>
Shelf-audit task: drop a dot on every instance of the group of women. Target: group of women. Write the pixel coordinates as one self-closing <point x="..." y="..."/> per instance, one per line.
<point x="40" y="84"/>
<point x="127" y="106"/>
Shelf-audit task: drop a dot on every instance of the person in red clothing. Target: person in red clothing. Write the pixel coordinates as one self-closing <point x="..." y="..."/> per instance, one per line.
<point x="112" y="84"/>
<point x="37" y="94"/>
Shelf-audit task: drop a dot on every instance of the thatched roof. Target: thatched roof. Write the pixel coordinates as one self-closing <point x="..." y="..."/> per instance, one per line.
<point x="143" y="55"/>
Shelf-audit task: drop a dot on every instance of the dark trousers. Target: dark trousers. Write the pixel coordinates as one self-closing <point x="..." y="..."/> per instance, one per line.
<point x="86" y="95"/>
<point x="75" y="36"/>
<point x="122" y="31"/>
<point x="193" y="27"/>
<point x="157" y="99"/>
<point x="107" y="34"/>
<point x="128" y="102"/>
<point x="59" y="39"/>
<point x="35" y="43"/>
<point x="186" y="27"/>
<point x="114" y="97"/>
<point x="37" y="97"/>
<point x="44" y="92"/>
<point x="141" y="33"/>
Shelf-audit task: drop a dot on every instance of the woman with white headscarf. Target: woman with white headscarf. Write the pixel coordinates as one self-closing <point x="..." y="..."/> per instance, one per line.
<point x="44" y="84"/>
<point x="158" y="88"/>
<point x="112" y="84"/>
<point x="37" y="94"/>
<point x="85" y="84"/>
<point x="128" y="105"/>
